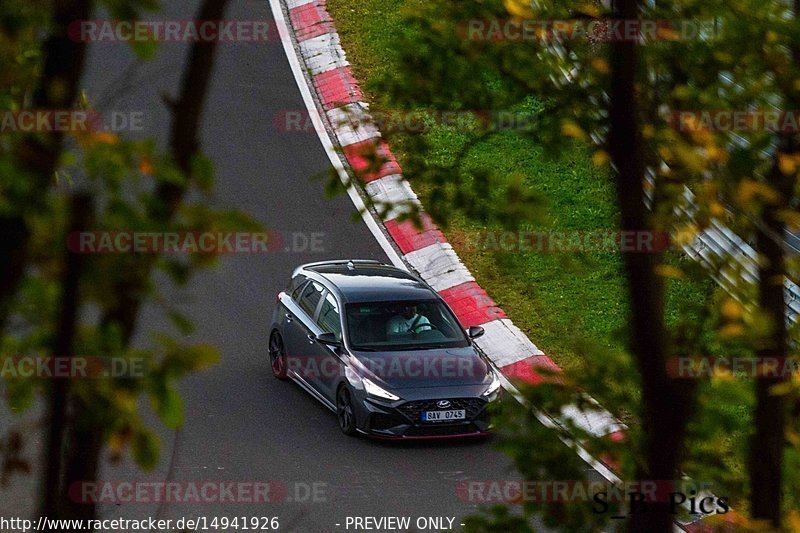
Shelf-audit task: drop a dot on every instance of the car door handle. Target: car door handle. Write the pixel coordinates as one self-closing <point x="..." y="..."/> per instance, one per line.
<point x="289" y="317"/>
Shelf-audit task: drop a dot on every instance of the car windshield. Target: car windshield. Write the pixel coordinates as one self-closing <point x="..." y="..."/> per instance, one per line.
<point x="403" y="325"/>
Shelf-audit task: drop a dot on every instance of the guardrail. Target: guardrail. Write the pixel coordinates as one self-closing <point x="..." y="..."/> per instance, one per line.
<point x="717" y="245"/>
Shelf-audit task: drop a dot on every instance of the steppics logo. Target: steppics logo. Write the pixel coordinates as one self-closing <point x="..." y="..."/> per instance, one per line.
<point x="70" y="121"/>
<point x="197" y="491"/>
<point x="195" y="242"/>
<point x="219" y="31"/>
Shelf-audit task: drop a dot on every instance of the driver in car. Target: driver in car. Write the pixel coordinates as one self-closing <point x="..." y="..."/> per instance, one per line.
<point x="407" y="321"/>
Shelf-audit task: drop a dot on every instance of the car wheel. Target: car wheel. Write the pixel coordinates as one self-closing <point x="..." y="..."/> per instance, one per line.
<point x="277" y="355"/>
<point x="344" y="412"/>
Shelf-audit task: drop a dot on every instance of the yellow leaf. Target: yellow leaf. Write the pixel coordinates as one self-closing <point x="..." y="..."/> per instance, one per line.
<point x="589" y="9"/>
<point x="794" y="521"/>
<point x="105" y="137"/>
<point x="731" y="330"/>
<point x="570" y="129"/>
<point x="601" y="65"/>
<point x="781" y="389"/>
<point x="790" y="218"/>
<point x="731" y="309"/>
<point x="684" y="234"/>
<point x="716" y="209"/>
<point x="691" y="158"/>
<point x="665" y="33"/>
<point x="600" y="158"/>
<point x="722" y="374"/>
<point x="745" y="191"/>
<point x="126" y="402"/>
<point x="787" y="164"/>
<point x="702" y="136"/>
<point x="767" y="193"/>
<point x="648" y="131"/>
<point x="669" y="271"/>
<point x="717" y="154"/>
<point x="519" y="8"/>
<point x="116" y="442"/>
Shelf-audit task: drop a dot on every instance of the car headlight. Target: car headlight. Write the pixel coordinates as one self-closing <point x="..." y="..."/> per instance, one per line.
<point x="494" y="386"/>
<point x="378" y="392"/>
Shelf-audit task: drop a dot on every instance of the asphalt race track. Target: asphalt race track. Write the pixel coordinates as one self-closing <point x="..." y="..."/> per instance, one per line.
<point x="241" y="423"/>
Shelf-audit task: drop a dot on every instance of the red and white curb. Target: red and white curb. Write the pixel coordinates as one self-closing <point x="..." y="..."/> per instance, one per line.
<point x="319" y="62"/>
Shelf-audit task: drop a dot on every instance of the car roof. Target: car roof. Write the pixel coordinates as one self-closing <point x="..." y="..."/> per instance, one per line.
<point x="369" y="281"/>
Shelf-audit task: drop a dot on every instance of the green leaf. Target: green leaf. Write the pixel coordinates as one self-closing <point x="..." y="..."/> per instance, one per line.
<point x="146" y="449"/>
<point x="169" y="406"/>
<point x="182" y="322"/>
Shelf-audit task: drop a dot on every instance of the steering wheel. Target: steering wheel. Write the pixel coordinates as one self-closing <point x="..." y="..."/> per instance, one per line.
<point x="430" y="327"/>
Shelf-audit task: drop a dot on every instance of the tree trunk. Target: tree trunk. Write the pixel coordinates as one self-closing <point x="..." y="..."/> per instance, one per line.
<point x="665" y="402"/>
<point x="81" y="209"/>
<point x="37" y="154"/>
<point x="85" y="441"/>
<point x="766" y="449"/>
<point x="765" y="463"/>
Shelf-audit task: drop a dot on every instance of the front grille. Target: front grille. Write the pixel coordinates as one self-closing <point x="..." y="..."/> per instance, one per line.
<point x="413" y="410"/>
<point x="434" y="430"/>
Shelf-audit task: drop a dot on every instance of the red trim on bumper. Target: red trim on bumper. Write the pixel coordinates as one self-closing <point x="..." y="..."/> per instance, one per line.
<point x="459" y="436"/>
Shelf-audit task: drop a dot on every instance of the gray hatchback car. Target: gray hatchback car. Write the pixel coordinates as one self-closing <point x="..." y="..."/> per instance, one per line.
<point x="380" y="348"/>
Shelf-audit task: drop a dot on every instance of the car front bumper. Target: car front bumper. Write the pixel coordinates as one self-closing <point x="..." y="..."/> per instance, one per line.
<point x="403" y="419"/>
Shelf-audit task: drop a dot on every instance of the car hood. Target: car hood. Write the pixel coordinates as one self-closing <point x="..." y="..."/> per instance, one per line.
<point x="441" y="367"/>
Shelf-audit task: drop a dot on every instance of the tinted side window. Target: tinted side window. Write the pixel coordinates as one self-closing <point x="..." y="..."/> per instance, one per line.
<point x="311" y="297"/>
<point x="295" y="285"/>
<point x="329" y="315"/>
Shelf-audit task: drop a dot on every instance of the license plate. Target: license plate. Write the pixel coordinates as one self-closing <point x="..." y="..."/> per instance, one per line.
<point x="438" y="416"/>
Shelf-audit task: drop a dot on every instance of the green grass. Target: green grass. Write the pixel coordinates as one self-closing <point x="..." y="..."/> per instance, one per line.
<point x="573" y="306"/>
<point x="558" y="299"/>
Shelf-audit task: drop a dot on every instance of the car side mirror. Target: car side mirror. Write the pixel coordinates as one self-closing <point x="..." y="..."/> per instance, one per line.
<point x="328" y="338"/>
<point x="475" y="332"/>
